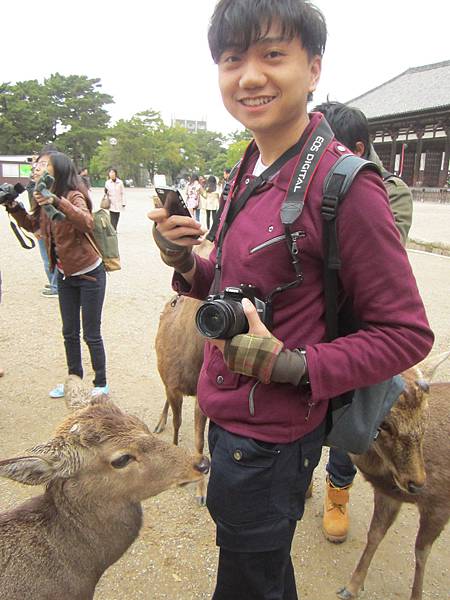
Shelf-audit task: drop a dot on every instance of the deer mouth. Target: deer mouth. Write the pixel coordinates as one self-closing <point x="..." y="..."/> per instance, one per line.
<point x="411" y="487"/>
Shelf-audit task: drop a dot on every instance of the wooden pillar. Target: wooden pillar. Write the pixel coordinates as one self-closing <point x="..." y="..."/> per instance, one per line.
<point x="444" y="173"/>
<point x="394" y="136"/>
<point x="416" y="175"/>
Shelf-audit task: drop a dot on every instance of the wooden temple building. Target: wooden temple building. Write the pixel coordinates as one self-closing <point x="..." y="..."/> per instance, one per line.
<point x="409" y="119"/>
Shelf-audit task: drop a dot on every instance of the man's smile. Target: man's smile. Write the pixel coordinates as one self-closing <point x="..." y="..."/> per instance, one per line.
<point x="258" y="101"/>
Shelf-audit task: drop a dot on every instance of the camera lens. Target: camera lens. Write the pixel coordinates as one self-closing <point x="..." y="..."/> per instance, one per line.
<point x="221" y="319"/>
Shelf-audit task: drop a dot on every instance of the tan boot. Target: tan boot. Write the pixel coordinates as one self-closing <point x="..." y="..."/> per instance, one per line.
<point x="335" y="512"/>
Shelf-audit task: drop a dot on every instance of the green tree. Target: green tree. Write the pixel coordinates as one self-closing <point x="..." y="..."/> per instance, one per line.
<point x="27" y="119"/>
<point x="136" y="146"/>
<point x="80" y="119"/>
<point x="67" y="111"/>
<point x="235" y="152"/>
<point x="239" y="136"/>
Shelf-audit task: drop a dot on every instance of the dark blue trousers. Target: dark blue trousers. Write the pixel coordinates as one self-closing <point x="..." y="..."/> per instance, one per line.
<point x="256" y="495"/>
<point x="83" y="294"/>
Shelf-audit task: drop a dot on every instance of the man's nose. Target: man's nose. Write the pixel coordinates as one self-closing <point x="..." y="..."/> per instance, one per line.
<point x="252" y="76"/>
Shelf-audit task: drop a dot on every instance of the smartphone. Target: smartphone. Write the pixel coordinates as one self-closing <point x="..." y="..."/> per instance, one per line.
<point x="173" y="201"/>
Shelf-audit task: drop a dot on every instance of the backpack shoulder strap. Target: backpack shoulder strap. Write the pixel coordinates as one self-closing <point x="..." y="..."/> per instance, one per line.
<point x="335" y="187"/>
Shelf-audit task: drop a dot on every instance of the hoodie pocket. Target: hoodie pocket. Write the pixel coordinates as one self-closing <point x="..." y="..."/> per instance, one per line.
<point x="219" y="374"/>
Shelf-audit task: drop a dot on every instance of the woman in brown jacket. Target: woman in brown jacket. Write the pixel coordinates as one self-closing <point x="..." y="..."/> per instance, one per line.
<point x="81" y="273"/>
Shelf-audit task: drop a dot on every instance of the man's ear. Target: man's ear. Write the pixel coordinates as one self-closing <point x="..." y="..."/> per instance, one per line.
<point x="315" y="70"/>
<point x="360" y="149"/>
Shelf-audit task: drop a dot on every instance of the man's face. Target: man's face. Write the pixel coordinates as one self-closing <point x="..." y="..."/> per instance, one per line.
<point x="266" y="87"/>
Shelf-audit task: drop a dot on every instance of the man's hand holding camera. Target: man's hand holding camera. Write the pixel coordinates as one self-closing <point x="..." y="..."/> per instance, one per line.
<point x="253" y="353"/>
<point x="260" y="354"/>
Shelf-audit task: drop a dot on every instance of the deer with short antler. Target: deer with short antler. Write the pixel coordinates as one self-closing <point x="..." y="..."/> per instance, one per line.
<point x="408" y="462"/>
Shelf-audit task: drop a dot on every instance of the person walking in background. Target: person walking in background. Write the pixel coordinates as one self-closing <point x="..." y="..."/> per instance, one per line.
<point x="114" y="190"/>
<point x="84" y="174"/>
<point x="193" y="191"/>
<point x="211" y="200"/>
<point x="81" y="273"/>
<point x="351" y="128"/>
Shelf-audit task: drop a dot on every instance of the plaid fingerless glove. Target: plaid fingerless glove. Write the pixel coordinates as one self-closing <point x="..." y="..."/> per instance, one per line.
<point x="252" y="355"/>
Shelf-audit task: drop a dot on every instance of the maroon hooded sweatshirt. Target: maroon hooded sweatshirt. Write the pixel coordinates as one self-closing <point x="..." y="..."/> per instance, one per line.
<point x="375" y="274"/>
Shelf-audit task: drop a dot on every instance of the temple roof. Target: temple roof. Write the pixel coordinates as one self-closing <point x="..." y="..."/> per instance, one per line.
<point x="419" y="88"/>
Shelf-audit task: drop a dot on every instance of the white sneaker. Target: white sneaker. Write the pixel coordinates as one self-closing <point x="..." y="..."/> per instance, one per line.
<point x="58" y="391"/>
<point x="98" y="391"/>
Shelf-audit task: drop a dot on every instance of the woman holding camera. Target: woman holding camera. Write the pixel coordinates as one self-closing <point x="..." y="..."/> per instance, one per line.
<point x="81" y="273"/>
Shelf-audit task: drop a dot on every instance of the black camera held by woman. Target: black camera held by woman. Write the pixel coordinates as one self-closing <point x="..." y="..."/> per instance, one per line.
<point x="222" y="316"/>
<point x="9" y="192"/>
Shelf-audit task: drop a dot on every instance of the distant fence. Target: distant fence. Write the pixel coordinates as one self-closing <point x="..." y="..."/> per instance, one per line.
<point x="438" y="195"/>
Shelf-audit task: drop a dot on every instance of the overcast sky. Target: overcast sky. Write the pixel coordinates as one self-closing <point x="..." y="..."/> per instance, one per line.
<point x="153" y="54"/>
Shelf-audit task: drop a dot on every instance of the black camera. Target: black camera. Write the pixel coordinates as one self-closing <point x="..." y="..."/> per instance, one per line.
<point x="221" y="316"/>
<point x="9" y="192"/>
<point x="43" y="186"/>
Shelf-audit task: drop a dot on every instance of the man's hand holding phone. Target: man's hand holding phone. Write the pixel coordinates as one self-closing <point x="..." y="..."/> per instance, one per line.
<point x="174" y="221"/>
<point x="175" y="234"/>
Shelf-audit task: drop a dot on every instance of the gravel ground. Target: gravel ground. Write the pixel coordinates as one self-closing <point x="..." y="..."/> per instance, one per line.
<point x="175" y="556"/>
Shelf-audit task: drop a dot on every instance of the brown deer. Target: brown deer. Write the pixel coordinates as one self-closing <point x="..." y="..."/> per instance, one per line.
<point x="408" y="462"/>
<point x="179" y="350"/>
<point x="97" y="469"/>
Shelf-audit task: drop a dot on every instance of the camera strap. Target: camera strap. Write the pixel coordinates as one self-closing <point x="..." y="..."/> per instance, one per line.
<point x="20" y="235"/>
<point x="310" y="149"/>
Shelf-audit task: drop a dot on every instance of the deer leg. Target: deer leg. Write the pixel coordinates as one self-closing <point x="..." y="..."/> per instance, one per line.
<point x="161" y="425"/>
<point x="431" y="526"/>
<point x="199" y="427"/>
<point x="175" y="399"/>
<point x="384" y="514"/>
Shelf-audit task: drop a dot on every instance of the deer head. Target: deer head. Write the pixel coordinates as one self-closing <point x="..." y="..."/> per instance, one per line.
<point x="400" y="441"/>
<point x="99" y="451"/>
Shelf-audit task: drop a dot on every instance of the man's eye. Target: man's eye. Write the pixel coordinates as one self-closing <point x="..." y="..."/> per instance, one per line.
<point x="232" y="58"/>
<point x="274" y="54"/>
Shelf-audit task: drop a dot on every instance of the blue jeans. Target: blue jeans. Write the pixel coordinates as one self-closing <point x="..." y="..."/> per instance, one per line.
<point x="340" y="468"/>
<point x="83" y="293"/>
<point x="197" y="214"/>
<point x="52" y="276"/>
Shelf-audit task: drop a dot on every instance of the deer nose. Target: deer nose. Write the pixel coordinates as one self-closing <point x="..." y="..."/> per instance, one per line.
<point x="203" y="465"/>
<point x="414" y="487"/>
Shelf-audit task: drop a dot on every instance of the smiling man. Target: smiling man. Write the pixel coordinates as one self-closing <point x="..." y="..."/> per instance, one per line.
<point x="266" y="390"/>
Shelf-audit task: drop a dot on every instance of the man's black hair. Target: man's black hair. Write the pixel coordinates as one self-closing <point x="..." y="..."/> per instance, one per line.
<point x="241" y="23"/>
<point x="349" y="124"/>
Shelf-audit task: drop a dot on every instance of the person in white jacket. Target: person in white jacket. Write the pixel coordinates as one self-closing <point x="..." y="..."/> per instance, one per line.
<point x="114" y="189"/>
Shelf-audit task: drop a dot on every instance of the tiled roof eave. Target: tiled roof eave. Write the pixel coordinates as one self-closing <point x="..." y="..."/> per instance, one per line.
<point x="411" y="114"/>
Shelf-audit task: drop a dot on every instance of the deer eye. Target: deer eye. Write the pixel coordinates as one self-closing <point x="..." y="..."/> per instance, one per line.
<point x="122" y="461"/>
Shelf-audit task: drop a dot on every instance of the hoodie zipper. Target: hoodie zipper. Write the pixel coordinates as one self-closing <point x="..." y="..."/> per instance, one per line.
<point x="251" y="399"/>
<point x="295" y="236"/>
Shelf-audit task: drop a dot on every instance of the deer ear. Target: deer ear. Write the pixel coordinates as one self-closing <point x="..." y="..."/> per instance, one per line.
<point x="429" y="366"/>
<point x="30" y="470"/>
<point x="43" y="463"/>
